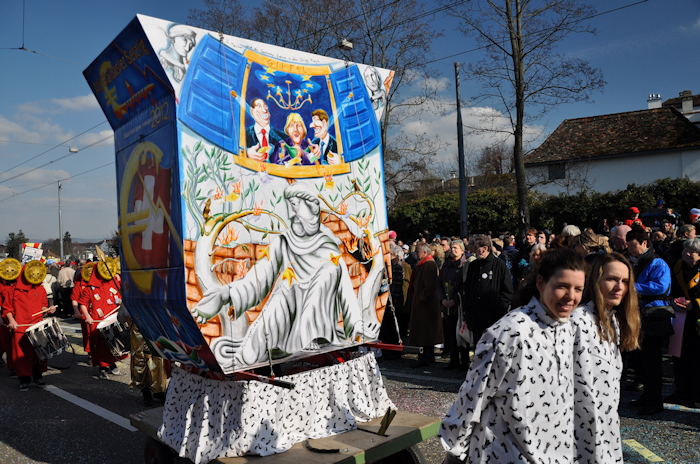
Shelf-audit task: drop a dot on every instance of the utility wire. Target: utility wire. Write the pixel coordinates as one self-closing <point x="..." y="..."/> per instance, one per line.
<point x="56" y="181"/>
<point x="539" y="32"/>
<point x="55" y="160"/>
<point x="32" y="143"/>
<point x="53" y="148"/>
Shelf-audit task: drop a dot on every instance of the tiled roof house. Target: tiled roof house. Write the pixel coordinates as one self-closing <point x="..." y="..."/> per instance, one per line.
<point x="605" y="153"/>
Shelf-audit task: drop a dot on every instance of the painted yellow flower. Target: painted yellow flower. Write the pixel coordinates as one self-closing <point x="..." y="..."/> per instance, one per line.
<point x="289" y="275"/>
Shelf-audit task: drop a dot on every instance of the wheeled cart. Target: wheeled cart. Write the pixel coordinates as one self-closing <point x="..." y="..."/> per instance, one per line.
<point x="363" y="445"/>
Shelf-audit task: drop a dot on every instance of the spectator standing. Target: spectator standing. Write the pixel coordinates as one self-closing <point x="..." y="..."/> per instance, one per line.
<point x="65" y="279"/>
<point x="407" y="271"/>
<point x="450" y="282"/>
<point x="446" y="244"/>
<point x="487" y="290"/>
<point x="426" y="320"/>
<point x="619" y="238"/>
<point x="523" y="255"/>
<point x="607" y="324"/>
<point x="686" y="291"/>
<point x="675" y="250"/>
<point x="658" y="240"/>
<point x="48" y="284"/>
<point x="508" y="247"/>
<point x="505" y="257"/>
<point x="653" y="284"/>
<point x="536" y="254"/>
<point x="392" y="320"/>
<point x="412" y="258"/>
<point x="438" y="255"/>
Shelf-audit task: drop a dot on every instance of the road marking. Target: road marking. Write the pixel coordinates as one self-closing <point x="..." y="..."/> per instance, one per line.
<point x="677" y="407"/>
<point x="646" y="454"/>
<point x="93" y="408"/>
<point x="388" y="373"/>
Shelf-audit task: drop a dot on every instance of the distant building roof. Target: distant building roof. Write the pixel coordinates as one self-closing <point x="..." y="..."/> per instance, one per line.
<point x="678" y="102"/>
<point x="617" y="134"/>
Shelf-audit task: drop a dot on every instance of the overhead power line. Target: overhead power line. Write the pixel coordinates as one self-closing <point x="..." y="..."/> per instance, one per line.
<point x="29" y="143"/>
<point x="55" y="160"/>
<point x="544" y="30"/>
<point x="56" y="181"/>
<point x="52" y="148"/>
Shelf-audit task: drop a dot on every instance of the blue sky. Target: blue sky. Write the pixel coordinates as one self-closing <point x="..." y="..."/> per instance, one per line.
<point x="651" y="47"/>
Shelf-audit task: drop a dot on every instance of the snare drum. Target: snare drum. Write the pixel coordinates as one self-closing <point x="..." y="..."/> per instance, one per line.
<point x="116" y="335"/>
<point x="47" y="338"/>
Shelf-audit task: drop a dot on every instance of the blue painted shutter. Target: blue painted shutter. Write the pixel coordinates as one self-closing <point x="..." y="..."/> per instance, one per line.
<point x="206" y="104"/>
<point x="359" y="128"/>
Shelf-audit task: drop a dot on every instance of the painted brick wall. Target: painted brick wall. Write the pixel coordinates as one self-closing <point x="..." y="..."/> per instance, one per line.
<point x="244" y="258"/>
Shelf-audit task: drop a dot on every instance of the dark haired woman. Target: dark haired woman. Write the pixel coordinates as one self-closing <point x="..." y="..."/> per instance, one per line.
<point x="516" y="404"/>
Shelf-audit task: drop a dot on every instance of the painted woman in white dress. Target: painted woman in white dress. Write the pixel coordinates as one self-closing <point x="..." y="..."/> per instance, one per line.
<point x="516" y="404"/>
<point x="608" y="324"/>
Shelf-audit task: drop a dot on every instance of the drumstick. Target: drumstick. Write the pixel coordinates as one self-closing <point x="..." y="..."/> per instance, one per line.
<point x="108" y="314"/>
<point x="42" y="312"/>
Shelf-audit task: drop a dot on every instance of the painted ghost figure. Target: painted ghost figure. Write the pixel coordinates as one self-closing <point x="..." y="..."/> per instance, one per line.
<point x="307" y="286"/>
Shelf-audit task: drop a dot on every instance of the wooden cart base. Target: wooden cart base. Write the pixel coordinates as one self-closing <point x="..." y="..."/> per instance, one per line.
<point x="356" y="446"/>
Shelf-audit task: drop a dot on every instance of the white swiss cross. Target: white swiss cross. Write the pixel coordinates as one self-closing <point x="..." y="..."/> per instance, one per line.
<point x="155" y="218"/>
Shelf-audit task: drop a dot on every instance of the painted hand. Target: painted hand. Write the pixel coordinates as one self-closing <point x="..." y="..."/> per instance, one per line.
<point x="254" y="154"/>
<point x="210" y="304"/>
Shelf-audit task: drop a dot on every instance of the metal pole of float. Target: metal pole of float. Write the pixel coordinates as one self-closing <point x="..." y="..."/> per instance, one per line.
<point x="60" y="220"/>
<point x="463" y="226"/>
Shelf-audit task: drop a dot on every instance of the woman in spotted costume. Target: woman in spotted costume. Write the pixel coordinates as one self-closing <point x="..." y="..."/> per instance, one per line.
<point x="516" y="404"/>
<point x="608" y="323"/>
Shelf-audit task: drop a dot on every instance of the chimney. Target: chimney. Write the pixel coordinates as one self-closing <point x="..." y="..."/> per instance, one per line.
<point x="686" y="101"/>
<point x="654" y="101"/>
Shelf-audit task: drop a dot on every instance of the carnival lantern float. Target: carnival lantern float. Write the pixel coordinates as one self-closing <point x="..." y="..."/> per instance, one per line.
<point x="253" y="225"/>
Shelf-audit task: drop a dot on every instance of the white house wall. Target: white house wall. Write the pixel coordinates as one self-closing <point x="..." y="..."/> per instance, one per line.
<point x="616" y="173"/>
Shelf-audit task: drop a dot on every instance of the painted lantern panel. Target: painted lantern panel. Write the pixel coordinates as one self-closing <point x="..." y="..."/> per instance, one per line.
<point x="251" y="194"/>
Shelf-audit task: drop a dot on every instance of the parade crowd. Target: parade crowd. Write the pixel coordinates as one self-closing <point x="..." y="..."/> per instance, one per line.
<point x="558" y="325"/>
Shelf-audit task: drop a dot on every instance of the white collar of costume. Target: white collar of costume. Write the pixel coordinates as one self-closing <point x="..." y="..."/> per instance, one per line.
<point x="542" y="313"/>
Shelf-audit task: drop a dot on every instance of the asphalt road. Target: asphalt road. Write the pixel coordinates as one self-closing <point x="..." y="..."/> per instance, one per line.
<point x="81" y="419"/>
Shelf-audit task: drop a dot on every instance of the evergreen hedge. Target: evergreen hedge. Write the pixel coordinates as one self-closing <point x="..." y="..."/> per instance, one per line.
<point x="495" y="211"/>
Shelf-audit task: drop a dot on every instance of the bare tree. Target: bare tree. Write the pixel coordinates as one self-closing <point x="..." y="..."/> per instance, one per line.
<point x="391" y="34"/>
<point x="522" y="75"/>
<point x="495" y="159"/>
<point x="223" y="16"/>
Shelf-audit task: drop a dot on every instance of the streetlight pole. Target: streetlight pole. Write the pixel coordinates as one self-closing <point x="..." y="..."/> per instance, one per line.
<point x="60" y="220"/>
<point x="463" y="226"/>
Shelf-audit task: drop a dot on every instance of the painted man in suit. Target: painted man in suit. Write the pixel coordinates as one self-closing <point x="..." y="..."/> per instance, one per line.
<point x="323" y="147"/>
<point x="261" y="135"/>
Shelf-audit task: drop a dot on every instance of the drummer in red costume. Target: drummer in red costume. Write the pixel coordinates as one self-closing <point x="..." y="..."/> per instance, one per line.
<point x="10" y="269"/>
<point x="80" y="284"/>
<point x="100" y="299"/>
<point x="27" y="306"/>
